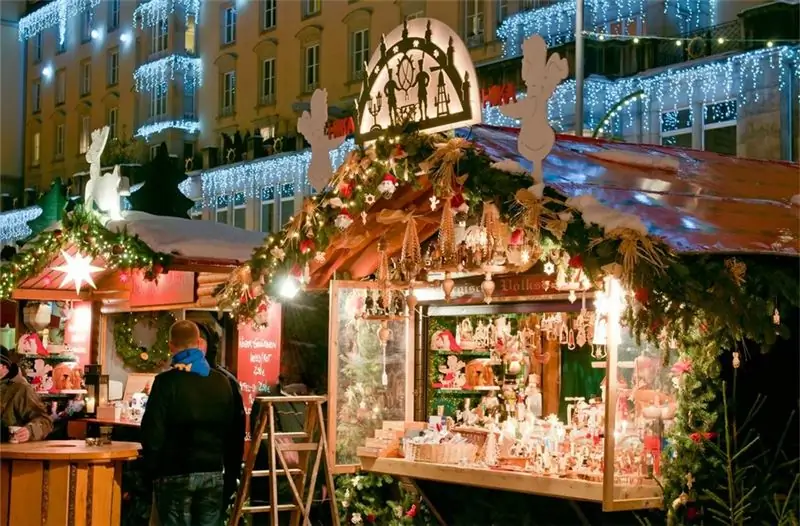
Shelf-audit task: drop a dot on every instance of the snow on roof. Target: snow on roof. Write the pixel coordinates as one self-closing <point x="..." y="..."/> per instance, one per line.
<point x="190" y="238"/>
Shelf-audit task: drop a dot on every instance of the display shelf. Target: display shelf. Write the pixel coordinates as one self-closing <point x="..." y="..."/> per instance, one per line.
<point x="476" y="390"/>
<point x="478" y="353"/>
<point x="636" y="497"/>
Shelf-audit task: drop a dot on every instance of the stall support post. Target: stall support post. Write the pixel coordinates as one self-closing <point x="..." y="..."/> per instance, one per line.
<point x="613" y="304"/>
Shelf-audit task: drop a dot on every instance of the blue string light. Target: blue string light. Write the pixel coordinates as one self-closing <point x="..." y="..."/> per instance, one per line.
<point x="249" y="177"/>
<point x="14" y="224"/>
<point x="154" y="11"/>
<point x="52" y="14"/>
<point x="175" y="124"/>
<point x="156" y="74"/>
<point x="556" y="23"/>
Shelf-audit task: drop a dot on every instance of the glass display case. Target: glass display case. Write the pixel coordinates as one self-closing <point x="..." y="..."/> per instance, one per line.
<point x="369" y="366"/>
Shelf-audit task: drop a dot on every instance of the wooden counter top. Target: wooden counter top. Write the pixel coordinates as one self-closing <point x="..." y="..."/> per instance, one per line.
<point x="638" y="497"/>
<point x="109" y="422"/>
<point x="69" y="450"/>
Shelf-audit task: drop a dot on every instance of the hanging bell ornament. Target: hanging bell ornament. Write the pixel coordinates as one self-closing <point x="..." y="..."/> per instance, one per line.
<point x="447" y="286"/>
<point x="736" y="361"/>
<point x="776" y="317"/>
<point x="488" y="288"/>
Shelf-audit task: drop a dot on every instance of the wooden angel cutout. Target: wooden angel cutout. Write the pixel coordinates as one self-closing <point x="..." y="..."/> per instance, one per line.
<point x="541" y="76"/>
<point x="102" y="190"/>
<point x="313" y="127"/>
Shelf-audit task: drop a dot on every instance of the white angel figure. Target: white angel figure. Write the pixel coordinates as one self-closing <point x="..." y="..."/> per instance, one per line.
<point x="102" y="190"/>
<point x="541" y="76"/>
<point x="312" y="126"/>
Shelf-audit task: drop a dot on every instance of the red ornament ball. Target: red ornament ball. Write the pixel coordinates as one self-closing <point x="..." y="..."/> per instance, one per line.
<point x="517" y="237"/>
<point x="306" y="246"/>
<point x="642" y="295"/>
<point x="117" y="249"/>
<point x="158" y="268"/>
<point x="457" y="200"/>
<point x="57" y="233"/>
<point x="576" y="261"/>
<point x="346" y="190"/>
<point x="370" y="518"/>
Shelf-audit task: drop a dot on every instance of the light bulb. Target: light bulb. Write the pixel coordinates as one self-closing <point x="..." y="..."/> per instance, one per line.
<point x="125" y="37"/>
<point x="289" y="288"/>
<point x="95" y="34"/>
<point x="47" y="71"/>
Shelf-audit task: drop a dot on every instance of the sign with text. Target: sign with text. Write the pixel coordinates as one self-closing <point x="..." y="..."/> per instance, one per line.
<point x="78" y="331"/>
<point x="259" y="358"/>
<point x="173" y="288"/>
<point x="515" y="286"/>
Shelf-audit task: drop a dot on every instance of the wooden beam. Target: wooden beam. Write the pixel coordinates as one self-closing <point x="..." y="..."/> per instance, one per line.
<point x="49" y="295"/>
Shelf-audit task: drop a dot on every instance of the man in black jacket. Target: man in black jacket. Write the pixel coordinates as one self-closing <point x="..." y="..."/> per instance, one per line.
<point x="188" y="434"/>
<point x="209" y="342"/>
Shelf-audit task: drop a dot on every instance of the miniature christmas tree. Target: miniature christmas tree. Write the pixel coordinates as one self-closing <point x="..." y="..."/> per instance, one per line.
<point x="52" y="204"/>
<point x="160" y="195"/>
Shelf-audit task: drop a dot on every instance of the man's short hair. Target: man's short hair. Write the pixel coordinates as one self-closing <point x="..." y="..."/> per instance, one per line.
<point x="183" y="335"/>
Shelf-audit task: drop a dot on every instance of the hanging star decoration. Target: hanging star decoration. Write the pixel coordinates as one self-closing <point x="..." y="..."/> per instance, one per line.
<point x="77" y="270"/>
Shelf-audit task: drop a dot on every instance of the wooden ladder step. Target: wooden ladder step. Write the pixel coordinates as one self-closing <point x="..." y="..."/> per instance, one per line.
<point x="305" y="446"/>
<point x="268" y="508"/>
<point x="286" y="434"/>
<point x="265" y="472"/>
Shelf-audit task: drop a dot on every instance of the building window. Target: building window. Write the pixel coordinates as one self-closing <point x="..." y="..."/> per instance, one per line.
<point x="196" y="212"/>
<point x="37" y="48"/>
<point x="190" y="40"/>
<point x="86" y="132"/>
<point x="188" y="101"/>
<point x="36" y="96"/>
<point x="229" y="25"/>
<point x="113" y="14"/>
<point x="474" y="22"/>
<point x="359" y="51"/>
<point x="160" y="37"/>
<point x="676" y="128"/>
<point x="59" y="149"/>
<point x="268" y="81"/>
<point x="112" y="123"/>
<point x="228" y="93"/>
<point x="113" y="67"/>
<point x="287" y="203"/>
<point x="502" y="11"/>
<point x="86" y="26"/>
<point x="719" y="127"/>
<point x="37" y="144"/>
<point x="61" y="87"/>
<point x="86" y="78"/>
<point x="61" y="47"/>
<point x="267" y="208"/>
<point x="311" y="67"/>
<point x="311" y="7"/>
<point x="239" y="210"/>
<point x="154" y="148"/>
<point x="158" y="102"/>
<point x="270" y="14"/>
<point x="223" y="204"/>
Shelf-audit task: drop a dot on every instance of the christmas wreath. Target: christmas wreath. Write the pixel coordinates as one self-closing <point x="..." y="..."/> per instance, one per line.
<point x="136" y="356"/>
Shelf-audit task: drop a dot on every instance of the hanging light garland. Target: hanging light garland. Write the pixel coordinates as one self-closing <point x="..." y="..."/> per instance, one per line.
<point x="52" y="14"/>
<point x="151" y="12"/>
<point x="189" y="126"/>
<point x="158" y="73"/>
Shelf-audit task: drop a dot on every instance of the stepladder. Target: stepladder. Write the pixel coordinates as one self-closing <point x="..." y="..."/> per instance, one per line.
<point x="295" y="457"/>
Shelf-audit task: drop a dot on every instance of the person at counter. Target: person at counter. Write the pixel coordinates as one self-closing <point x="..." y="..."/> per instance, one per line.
<point x="188" y="432"/>
<point x="22" y="413"/>
<point x="209" y="343"/>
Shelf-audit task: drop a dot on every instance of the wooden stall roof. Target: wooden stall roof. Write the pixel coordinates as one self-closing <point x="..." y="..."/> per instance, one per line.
<point x="696" y="202"/>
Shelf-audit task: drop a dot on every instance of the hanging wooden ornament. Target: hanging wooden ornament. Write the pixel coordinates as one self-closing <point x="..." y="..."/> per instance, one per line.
<point x="776" y="317"/>
<point x="411" y="251"/>
<point x="447" y="286"/>
<point x="383" y="266"/>
<point x="447" y="235"/>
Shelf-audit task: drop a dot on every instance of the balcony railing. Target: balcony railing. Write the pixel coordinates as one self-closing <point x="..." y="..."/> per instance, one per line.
<point x="706" y="42"/>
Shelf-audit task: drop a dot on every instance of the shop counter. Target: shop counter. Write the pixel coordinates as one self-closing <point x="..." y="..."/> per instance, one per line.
<point x="62" y="482"/>
<point x="644" y="496"/>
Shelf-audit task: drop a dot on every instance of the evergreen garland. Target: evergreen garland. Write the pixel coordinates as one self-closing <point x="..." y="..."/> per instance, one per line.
<point x="137" y="357"/>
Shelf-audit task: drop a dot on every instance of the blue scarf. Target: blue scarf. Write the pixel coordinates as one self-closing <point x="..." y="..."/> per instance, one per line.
<point x="191" y="361"/>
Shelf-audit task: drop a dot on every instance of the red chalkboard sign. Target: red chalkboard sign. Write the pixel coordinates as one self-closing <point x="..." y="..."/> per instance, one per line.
<point x="259" y="358"/>
<point x="173" y="288"/>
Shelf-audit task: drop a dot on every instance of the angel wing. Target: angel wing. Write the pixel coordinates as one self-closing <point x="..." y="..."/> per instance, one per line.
<point x="99" y="139"/>
<point x="319" y="106"/>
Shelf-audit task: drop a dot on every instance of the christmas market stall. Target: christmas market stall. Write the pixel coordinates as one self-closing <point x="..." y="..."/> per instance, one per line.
<point x="96" y="294"/>
<point x="519" y="311"/>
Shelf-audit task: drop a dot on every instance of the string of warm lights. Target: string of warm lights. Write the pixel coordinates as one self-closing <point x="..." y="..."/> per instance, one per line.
<point x="52" y="14"/>
<point x="681" y="41"/>
<point x="151" y="12"/>
<point x="158" y="73"/>
<point x="189" y="126"/>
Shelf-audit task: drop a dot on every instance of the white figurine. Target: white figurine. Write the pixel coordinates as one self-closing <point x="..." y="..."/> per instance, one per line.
<point x="541" y="76"/>
<point x="102" y="190"/>
<point x="312" y="126"/>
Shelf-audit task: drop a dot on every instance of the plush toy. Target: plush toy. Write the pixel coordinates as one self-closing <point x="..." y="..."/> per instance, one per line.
<point x="31" y="344"/>
<point x="444" y="341"/>
<point x="452" y="376"/>
<point x="66" y="376"/>
<point x="40" y="380"/>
